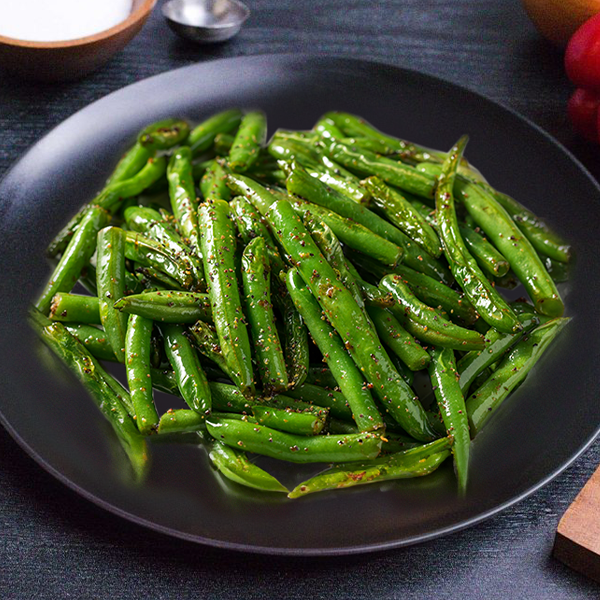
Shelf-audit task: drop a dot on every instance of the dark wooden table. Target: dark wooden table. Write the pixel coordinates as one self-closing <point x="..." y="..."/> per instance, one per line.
<point x="57" y="545"/>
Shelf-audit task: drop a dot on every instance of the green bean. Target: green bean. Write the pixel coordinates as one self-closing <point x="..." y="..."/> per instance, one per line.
<point x="345" y="371"/>
<point x="137" y="365"/>
<point x="444" y="379"/>
<point x="559" y="271"/>
<point x="213" y="185"/>
<point x="501" y="230"/>
<point x="331" y="249"/>
<point x="130" y="164"/>
<point x="368" y="163"/>
<point x="353" y="234"/>
<point x="153" y="277"/>
<point x="207" y="341"/>
<point x="309" y="421"/>
<point x="257" y="194"/>
<point x="303" y="185"/>
<point x="487" y="257"/>
<point x="336" y="402"/>
<point x="218" y="252"/>
<point x="202" y="137"/>
<point x="75" y="308"/>
<point x="415" y="462"/>
<point x="403" y="215"/>
<point x="402" y="369"/>
<point x="150" y="223"/>
<point x="294" y="448"/>
<point x="93" y="339"/>
<point x="191" y="379"/>
<point x="344" y="185"/>
<point x="96" y="381"/>
<point x="355" y="126"/>
<point x="347" y="318"/>
<point x="286" y="149"/>
<point x="235" y="466"/>
<point x="510" y="373"/>
<point x="181" y="420"/>
<point x="182" y="193"/>
<point x="249" y="138"/>
<point x="326" y="128"/>
<point x="163" y="135"/>
<point x="110" y="199"/>
<point x="425" y="288"/>
<point x="402" y="343"/>
<point x="425" y="323"/>
<point x="497" y="343"/>
<point x="223" y="143"/>
<point x="492" y="308"/>
<point x="110" y="279"/>
<point x="156" y="256"/>
<point x="372" y="295"/>
<point x="167" y="306"/>
<point x="295" y="337"/>
<point x="257" y="291"/>
<point x="541" y="237"/>
<point x="322" y="376"/>
<point x="76" y="256"/>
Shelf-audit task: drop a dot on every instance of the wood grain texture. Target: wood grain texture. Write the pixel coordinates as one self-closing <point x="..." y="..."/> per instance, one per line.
<point x="577" y="542"/>
<point x="57" y="545"/>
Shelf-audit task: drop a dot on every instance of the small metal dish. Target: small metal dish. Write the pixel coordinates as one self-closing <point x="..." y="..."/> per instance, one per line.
<point x="205" y="21"/>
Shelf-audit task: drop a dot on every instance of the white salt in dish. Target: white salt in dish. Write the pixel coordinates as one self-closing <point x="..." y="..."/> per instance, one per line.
<point x="59" y="20"/>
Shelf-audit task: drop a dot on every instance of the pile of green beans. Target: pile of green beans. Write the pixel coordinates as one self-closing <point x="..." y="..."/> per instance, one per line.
<point x="219" y="265"/>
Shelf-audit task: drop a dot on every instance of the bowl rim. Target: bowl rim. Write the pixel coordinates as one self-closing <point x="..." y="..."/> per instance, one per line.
<point x="137" y="14"/>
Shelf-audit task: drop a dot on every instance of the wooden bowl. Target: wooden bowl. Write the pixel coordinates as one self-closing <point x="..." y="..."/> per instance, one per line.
<point x="72" y="59"/>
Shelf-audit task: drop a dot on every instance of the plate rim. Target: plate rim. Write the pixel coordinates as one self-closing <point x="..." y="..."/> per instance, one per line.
<point x="309" y="552"/>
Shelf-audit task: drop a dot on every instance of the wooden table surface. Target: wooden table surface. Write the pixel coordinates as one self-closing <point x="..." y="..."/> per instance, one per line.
<point x="57" y="545"/>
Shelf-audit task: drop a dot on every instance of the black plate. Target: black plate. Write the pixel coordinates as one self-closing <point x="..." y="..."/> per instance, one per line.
<point x="552" y="418"/>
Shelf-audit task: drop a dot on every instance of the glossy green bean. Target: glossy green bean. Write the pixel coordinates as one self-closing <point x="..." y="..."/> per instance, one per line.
<point x="353" y="234"/>
<point x="309" y="421"/>
<point x="235" y="466"/>
<point x="490" y="305"/>
<point x="348" y="320"/>
<point x="165" y="134"/>
<point x="256" y="282"/>
<point x="218" y="252"/>
<point x="368" y="163"/>
<point x="155" y="255"/>
<point x="94" y="340"/>
<point x="191" y="378"/>
<point x="425" y="288"/>
<point x="344" y="369"/>
<point x="248" y="140"/>
<point x="426" y="323"/>
<point x="451" y="402"/>
<point x="207" y="341"/>
<point x="167" y="306"/>
<point x="130" y="164"/>
<point x="151" y="224"/>
<point x="75" y="308"/>
<point x="510" y="373"/>
<point x="202" y="137"/>
<point x="96" y="382"/>
<point x="110" y="280"/>
<point x="76" y="256"/>
<point x="497" y="343"/>
<point x="336" y="402"/>
<point x="182" y="194"/>
<point x="402" y="343"/>
<point x="541" y="237"/>
<point x="294" y="448"/>
<point x="415" y="462"/>
<point x="403" y="215"/>
<point x="303" y="185"/>
<point x="137" y="366"/>
<point x="213" y="183"/>
<point x="487" y="257"/>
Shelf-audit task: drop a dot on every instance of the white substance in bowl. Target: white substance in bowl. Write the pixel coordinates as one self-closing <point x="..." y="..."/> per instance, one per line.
<point x="59" y="20"/>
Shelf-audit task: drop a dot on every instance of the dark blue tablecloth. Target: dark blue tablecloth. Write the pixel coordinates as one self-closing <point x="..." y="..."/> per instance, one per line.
<point x="55" y="545"/>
